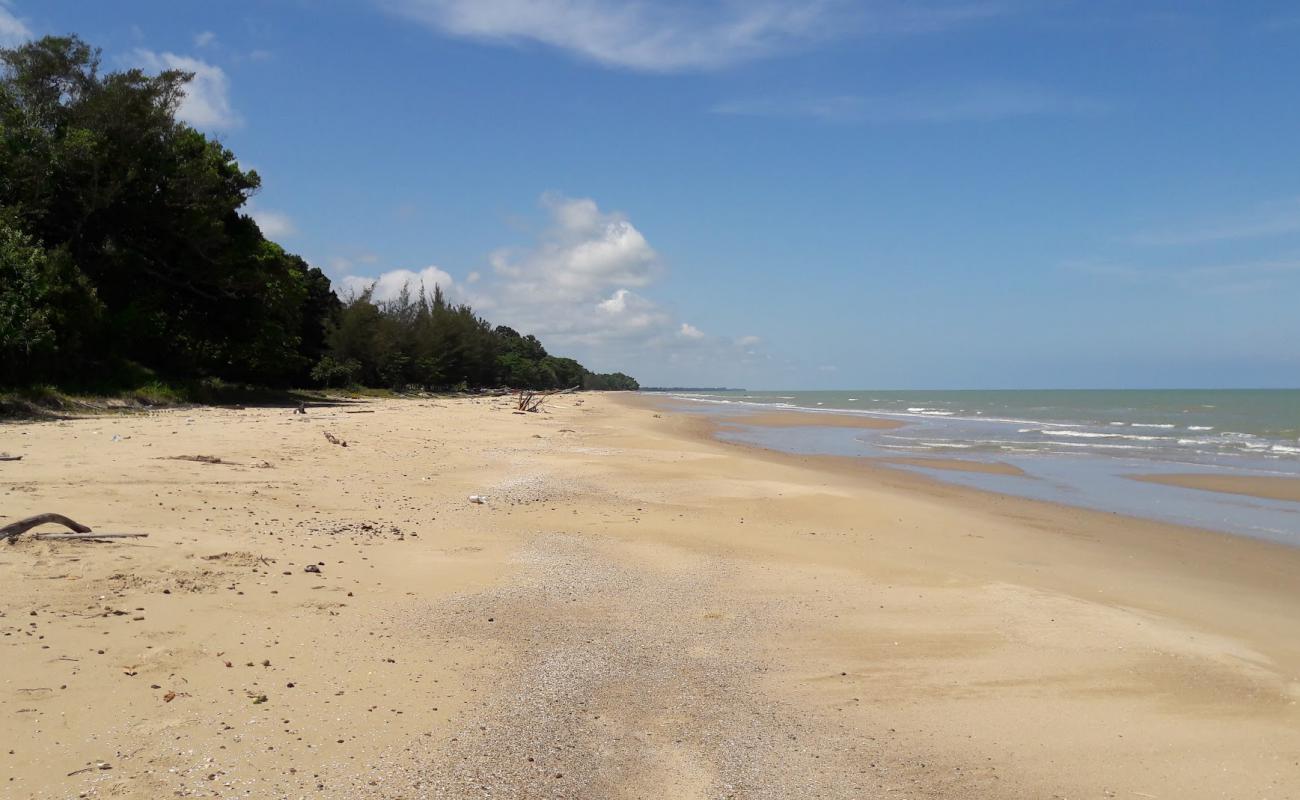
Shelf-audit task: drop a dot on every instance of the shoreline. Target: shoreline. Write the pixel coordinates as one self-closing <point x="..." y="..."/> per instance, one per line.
<point x="637" y="609"/>
<point x="1094" y="481"/>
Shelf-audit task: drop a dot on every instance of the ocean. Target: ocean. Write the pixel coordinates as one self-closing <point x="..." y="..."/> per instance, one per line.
<point x="1078" y="447"/>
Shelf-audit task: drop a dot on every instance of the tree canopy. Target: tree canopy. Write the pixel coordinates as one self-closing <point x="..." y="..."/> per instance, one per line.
<point x="125" y="243"/>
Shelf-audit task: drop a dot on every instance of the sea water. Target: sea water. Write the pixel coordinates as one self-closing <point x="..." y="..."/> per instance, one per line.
<point x="1076" y="446"/>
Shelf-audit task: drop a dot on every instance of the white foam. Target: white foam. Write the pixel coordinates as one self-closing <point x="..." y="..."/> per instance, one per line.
<point x="1151" y="425"/>
<point x="1200" y="427"/>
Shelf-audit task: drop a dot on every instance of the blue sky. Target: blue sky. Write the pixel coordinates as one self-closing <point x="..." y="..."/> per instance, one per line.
<point x="779" y="194"/>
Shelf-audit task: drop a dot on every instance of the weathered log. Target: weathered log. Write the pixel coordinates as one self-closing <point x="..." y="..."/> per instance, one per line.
<point x="7" y="457"/>
<point x="15" y="529"/>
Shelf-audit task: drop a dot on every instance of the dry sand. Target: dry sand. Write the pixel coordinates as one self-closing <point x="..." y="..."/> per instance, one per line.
<point x="1268" y="488"/>
<point x="637" y="612"/>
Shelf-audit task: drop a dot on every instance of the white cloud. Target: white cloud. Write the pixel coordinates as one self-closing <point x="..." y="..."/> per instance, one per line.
<point x="967" y="104"/>
<point x="205" y="39"/>
<point x="207" y="97"/>
<point x="749" y="341"/>
<point x="583" y="253"/>
<point x="683" y="35"/>
<point x="689" y="331"/>
<point x="274" y="224"/>
<point x="13" y="31"/>
<point x="389" y="285"/>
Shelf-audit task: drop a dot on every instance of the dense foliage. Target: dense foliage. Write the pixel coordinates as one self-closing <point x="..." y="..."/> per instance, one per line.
<point x="123" y="248"/>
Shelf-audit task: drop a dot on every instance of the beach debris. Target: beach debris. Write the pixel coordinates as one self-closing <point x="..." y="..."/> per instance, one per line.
<point x="532" y="401"/>
<point x="311" y="568"/>
<point x="13" y="530"/>
<point x="198" y="459"/>
<point x="360" y="411"/>
<point x="332" y="439"/>
<point x="170" y="696"/>
<point x="301" y="409"/>
<point x="478" y="499"/>
<point x="88" y="537"/>
<point x="7" y="457"/>
<point x="97" y="765"/>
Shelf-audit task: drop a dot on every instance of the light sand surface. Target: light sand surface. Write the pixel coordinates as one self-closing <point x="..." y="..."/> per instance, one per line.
<point x="1269" y="488"/>
<point x="810" y="419"/>
<point x="638" y="611"/>
<point x="958" y="465"/>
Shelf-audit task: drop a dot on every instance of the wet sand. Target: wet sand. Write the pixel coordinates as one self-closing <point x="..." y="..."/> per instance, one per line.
<point x="958" y="465"/>
<point x="638" y="610"/>
<point x="1265" y="487"/>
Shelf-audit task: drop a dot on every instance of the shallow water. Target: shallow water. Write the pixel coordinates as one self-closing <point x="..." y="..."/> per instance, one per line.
<point x="1075" y="447"/>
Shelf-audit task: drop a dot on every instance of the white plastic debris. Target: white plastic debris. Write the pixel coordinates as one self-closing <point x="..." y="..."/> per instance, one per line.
<point x="477" y="498"/>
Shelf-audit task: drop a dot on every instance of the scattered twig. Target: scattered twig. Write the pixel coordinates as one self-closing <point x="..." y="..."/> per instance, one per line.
<point x="360" y="411"/>
<point x="335" y="440"/>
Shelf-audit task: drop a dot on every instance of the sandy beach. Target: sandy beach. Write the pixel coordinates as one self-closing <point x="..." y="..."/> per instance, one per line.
<point x="637" y="611"/>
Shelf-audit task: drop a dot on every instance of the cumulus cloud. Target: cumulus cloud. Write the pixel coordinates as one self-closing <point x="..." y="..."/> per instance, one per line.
<point x="274" y="224"/>
<point x="681" y="35"/>
<point x="13" y="31"/>
<point x="389" y="285"/>
<point x="583" y="288"/>
<point x="207" y="97"/>
<point x="576" y="282"/>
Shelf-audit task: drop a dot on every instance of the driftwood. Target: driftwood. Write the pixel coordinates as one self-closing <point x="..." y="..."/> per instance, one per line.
<point x="7" y="457"/>
<point x="63" y="537"/>
<point x="532" y="401"/>
<point x="15" y="529"/>
<point x="335" y="440"/>
<point x="200" y="459"/>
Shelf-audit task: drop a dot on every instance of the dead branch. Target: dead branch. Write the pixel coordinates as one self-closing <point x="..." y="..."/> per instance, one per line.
<point x="335" y="440"/>
<point x="13" y="530"/>
<point x="532" y="401"/>
<point x="7" y="457"/>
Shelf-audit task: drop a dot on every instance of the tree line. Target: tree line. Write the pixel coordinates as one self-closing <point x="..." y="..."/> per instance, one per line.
<point x="125" y="256"/>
